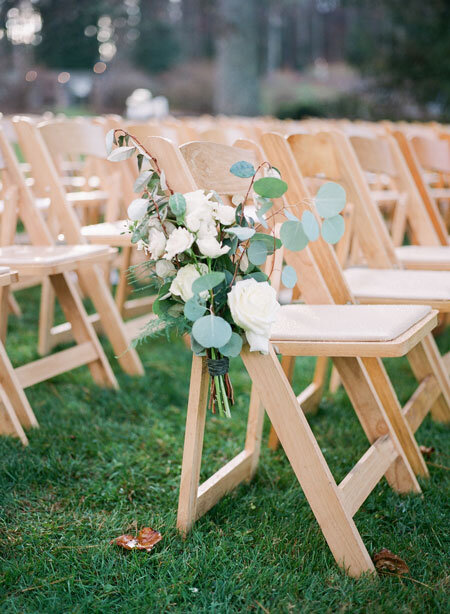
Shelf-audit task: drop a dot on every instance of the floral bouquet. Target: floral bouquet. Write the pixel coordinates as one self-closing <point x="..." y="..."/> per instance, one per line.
<point x="205" y="257"/>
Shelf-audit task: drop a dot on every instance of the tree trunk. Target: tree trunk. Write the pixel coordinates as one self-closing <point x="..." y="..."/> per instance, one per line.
<point x="237" y="85"/>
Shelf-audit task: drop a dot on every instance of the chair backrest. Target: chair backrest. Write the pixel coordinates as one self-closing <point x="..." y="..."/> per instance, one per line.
<point x="382" y="155"/>
<point x="432" y="154"/>
<point x="30" y="216"/>
<point x="207" y="162"/>
<point x="329" y="156"/>
<point x="37" y="154"/>
<point x="76" y="137"/>
<point x="415" y="168"/>
<point x="315" y="261"/>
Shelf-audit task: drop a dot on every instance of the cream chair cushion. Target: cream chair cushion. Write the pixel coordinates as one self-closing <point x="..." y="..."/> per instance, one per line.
<point x="345" y="322"/>
<point x="425" y="255"/>
<point x="399" y="284"/>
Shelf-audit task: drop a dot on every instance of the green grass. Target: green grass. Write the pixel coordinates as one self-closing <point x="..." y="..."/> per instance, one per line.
<point x="104" y="462"/>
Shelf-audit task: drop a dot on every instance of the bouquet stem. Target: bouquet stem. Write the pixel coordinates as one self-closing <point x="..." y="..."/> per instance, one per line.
<point x="219" y="391"/>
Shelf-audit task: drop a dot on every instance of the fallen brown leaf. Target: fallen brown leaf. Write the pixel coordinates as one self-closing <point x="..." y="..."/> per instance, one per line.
<point x="146" y="540"/>
<point x="387" y="561"/>
<point x="427" y="452"/>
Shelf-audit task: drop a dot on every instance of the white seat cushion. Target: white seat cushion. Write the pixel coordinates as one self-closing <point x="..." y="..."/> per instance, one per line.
<point x="345" y="322"/>
<point x="20" y="255"/>
<point x="438" y="255"/>
<point x="399" y="284"/>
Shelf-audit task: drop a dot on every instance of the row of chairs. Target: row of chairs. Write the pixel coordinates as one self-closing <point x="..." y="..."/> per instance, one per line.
<point x="328" y="325"/>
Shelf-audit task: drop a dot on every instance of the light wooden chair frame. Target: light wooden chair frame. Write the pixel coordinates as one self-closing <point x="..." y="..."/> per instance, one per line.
<point x="333" y="505"/>
<point x="92" y="278"/>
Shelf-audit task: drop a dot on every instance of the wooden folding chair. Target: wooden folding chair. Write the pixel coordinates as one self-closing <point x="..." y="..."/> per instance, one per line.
<point x="15" y="410"/>
<point x="333" y="505"/>
<point x="91" y="278"/>
<point x="411" y="155"/>
<point x="382" y="155"/>
<point x="43" y="259"/>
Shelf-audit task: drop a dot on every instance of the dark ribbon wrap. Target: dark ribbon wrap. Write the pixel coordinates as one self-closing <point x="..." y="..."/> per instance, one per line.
<point x="218" y="366"/>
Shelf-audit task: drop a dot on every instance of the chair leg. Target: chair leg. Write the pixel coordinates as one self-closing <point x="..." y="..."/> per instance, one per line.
<point x="112" y="323"/>
<point x="82" y="329"/>
<point x="4" y="294"/>
<point x="14" y="306"/>
<point x="374" y="419"/>
<point x="46" y="317"/>
<point x="17" y="410"/>
<point x="425" y="360"/>
<point x="255" y="425"/>
<point x="308" y="463"/>
<point x="193" y="445"/>
<point x="123" y="287"/>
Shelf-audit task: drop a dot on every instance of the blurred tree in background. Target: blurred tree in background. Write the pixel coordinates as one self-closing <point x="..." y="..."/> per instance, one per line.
<point x="290" y="57"/>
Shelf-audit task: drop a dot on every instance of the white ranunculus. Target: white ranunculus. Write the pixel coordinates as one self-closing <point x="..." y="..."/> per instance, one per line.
<point x="254" y="308"/>
<point x="199" y="210"/>
<point x="226" y="215"/>
<point x="137" y="209"/>
<point x="164" y="269"/>
<point x="156" y="243"/>
<point x="182" y="284"/>
<point x="178" y="242"/>
<point x="210" y="247"/>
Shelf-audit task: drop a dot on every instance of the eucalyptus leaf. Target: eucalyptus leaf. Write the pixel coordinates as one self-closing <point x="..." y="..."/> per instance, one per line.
<point x="293" y="236"/>
<point x="310" y="225"/>
<point x="262" y="221"/>
<point x="177" y="203"/>
<point x="270" y="187"/>
<point x="141" y="181"/>
<point x="233" y="347"/>
<point x="211" y="331"/>
<point x="241" y="233"/>
<point x="257" y="252"/>
<point x="330" y="199"/>
<point x="109" y="140"/>
<point x="333" y="228"/>
<point x="290" y="216"/>
<point x="271" y="242"/>
<point x="258" y="275"/>
<point x="289" y="276"/>
<point x="193" y="310"/>
<point x="196" y="348"/>
<point x="242" y="169"/>
<point x="265" y="204"/>
<point x="121" y="153"/>
<point x="207" y="282"/>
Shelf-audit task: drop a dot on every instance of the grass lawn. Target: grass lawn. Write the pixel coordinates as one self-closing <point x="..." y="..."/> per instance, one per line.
<point x="104" y="462"/>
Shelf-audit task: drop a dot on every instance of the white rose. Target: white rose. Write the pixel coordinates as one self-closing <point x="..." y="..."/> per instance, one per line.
<point x="156" y="243"/>
<point x="199" y="210"/>
<point x="226" y="215"/>
<point x="254" y="308"/>
<point x="210" y="247"/>
<point x="179" y="241"/>
<point x="182" y="284"/>
<point x="164" y="268"/>
<point x="137" y="209"/>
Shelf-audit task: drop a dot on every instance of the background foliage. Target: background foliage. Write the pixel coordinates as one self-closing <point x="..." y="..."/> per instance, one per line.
<point x="290" y="57"/>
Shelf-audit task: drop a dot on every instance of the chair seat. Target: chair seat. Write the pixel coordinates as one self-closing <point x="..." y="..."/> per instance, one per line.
<point x="7" y="276"/>
<point x="351" y="330"/>
<point x="426" y="257"/>
<point x="50" y="260"/>
<point x="41" y="203"/>
<point x="87" y="198"/>
<point x="108" y="233"/>
<point x="399" y="286"/>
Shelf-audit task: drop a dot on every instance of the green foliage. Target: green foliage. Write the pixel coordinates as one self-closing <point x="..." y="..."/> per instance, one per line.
<point x="158" y="48"/>
<point x="293" y="236"/>
<point x="257" y="252"/>
<point x="177" y="203"/>
<point x="208" y="282"/>
<point x="211" y="331"/>
<point x="233" y="347"/>
<point x="289" y="276"/>
<point x="242" y="169"/>
<point x="270" y="187"/>
<point x="333" y="229"/>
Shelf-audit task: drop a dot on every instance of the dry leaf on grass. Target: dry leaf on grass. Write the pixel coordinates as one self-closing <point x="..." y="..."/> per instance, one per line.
<point x="387" y="561"/>
<point x="146" y="540"/>
<point x="427" y="452"/>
